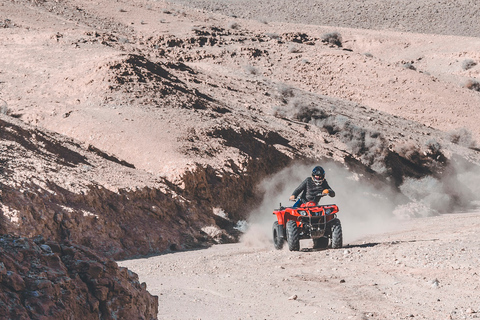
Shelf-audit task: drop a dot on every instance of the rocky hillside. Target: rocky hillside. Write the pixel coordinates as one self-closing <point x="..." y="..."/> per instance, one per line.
<point x="139" y="127"/>
<point x="49" y="280"/>
<point x="54" y="187"/>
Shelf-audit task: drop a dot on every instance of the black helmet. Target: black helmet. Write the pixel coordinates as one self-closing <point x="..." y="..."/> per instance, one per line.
<point x="318" y="173"/>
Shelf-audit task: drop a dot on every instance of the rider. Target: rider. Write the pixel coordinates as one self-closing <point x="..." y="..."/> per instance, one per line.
<point x="312" y="186"/>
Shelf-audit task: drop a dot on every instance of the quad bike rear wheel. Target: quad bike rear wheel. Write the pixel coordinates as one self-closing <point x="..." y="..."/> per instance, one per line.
<point x="320" y="243"/>
<point x="293" y="236"/>
<point x="337" y="237"/>
<point x="278" y="240"/>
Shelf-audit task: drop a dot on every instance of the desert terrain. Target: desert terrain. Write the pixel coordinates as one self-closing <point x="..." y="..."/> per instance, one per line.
<point x="424" y="269"/>
<point x="161" y="135"/>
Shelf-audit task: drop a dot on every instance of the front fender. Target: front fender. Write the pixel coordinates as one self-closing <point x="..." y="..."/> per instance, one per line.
<point x="280" y="217"/>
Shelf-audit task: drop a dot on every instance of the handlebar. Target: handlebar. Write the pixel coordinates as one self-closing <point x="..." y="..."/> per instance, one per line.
<point x="319" y="195"/>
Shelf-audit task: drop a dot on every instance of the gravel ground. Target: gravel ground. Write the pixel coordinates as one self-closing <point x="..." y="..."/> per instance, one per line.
<point x="426" y="269"/>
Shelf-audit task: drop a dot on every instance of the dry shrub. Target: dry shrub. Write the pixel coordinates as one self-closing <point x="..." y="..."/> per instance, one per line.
<point x="433" y="147"/>
<point x="272" y="35"/>
<point x="473" y="84"/>
<point x="468" y="64"/>
<point x="293" y="49"/>
<point x="333" y="124"/>
<point x="304" y="112"/>
<point x="284" y="92"/>
<point x="280" y="111"/>
<point x="4" y="107"/>
<point x="409" y="65"/>
<point x="298" y="110"/>
<point x="430" y="155"/>
<point x="422" y="160"/>
<point x="435" y="159"/>
<point x="462" y="137"/>
<point x="366" y="144"/>
<point x="6" y="23"/>
<point x="251" y="69"/>
<point x="409" y="151"/>
<point x="370" y="146"/>
<point x="233" y="25"/>
<point x="332" y="38"/>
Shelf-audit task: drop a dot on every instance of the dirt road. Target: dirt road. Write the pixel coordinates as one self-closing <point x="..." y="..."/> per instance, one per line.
<point x="426" y="269"/>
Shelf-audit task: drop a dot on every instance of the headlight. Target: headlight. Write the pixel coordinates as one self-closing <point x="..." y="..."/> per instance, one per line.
<point x="328" y="211"/>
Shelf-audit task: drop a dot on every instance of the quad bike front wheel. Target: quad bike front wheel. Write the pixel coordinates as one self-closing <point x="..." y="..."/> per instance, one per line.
<point x="293" y="236"/>
<point x="278" y="240"/>
<point x="337" y="237"/>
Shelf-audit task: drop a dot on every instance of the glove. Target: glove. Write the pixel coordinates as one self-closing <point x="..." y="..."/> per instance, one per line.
<point x="292" y="198"/>
<point x="325" y="191"/>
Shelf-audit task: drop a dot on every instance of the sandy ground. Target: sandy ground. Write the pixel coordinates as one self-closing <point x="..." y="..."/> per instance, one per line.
<point x="425" y="269"/>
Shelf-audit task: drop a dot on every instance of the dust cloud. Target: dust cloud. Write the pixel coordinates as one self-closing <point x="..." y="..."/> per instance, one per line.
<point x="454" y="189"/>
<point x="363" y="209"/>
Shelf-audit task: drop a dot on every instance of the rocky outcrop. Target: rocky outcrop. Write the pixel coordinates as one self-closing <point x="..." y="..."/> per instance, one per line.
<point x="57" y="189"/>
<point x="51" y="280"/>
<point x="63" y="191"/>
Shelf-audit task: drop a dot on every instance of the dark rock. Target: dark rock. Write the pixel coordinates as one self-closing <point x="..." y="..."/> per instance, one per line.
<point x="67" y="282"/>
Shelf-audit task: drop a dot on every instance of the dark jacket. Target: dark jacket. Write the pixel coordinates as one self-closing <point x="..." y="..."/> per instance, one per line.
<point x="309" y="189"/>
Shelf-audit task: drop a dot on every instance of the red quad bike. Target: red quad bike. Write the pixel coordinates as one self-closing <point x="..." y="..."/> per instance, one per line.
<point x="309" y="221"/>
